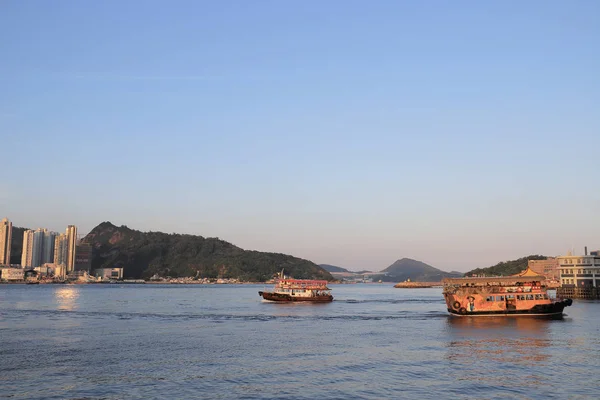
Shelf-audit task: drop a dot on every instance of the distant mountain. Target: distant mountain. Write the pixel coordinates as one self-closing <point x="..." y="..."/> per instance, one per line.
<point x="414" y="270"/>
<point x="506" y="267"/>
<point x="332" y="268"/>
<point x="143" y="254"/>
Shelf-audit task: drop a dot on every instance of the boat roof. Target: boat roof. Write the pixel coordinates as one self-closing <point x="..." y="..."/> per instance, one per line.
<point x="493" y="279"/>
<point x="304" y="283"/>
<point x="528" y="273"/>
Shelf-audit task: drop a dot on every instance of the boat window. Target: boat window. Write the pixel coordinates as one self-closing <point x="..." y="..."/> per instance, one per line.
<point x="521" y="297"/>
<point x="539" y="297"/>
<point x="529" y="297"/>
<point x="499" y="298"/>
<point x="510" y="297"/>
<point x="489" y="298"/>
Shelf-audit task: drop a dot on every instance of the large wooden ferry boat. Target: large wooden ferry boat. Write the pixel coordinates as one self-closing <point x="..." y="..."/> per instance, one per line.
<point x="287" y="289"/>
<point x="521" y="294"/>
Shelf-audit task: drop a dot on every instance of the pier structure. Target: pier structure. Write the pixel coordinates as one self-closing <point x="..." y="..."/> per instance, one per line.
<point x="585" y="293"/>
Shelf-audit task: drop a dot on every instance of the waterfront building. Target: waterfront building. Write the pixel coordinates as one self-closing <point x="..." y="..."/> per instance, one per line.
<point x="77" y="275"/>
<point x="109" y="273"/>
<point x="48" y="247"/>
<point x="547" y="268"/>
<point x="5" y="241"/>
<point x="57" y="271"/>
<point x="71" y="247"/>
<point x="12" y="274"/>
<point x="83" y="257"/>
<point x="61" y="250"/>
<point x="38" y="246"/>
<point x="33" y="248"/>
<point x="579" y="271"/>
<point x="27" y="255"/>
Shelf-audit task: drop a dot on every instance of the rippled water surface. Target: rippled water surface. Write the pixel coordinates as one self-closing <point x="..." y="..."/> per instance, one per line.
<point x="223" y="341"/>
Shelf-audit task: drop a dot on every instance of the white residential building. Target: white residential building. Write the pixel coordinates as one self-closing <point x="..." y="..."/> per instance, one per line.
<point x="579" y="271"/>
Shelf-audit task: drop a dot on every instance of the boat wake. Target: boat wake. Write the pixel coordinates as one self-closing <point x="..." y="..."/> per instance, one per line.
<point x="392" y="301"/>
<point x="222" y="317"/>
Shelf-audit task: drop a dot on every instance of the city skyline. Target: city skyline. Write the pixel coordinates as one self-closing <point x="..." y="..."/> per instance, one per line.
<point x="42" y="246"/>
<point x="346" y="133"/>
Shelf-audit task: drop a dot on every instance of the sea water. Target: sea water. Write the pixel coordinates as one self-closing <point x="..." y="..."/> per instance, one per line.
<point x="224" y="342"/>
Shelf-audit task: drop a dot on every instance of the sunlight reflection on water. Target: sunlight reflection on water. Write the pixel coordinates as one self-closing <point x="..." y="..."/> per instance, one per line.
<point x="66" y="297"/>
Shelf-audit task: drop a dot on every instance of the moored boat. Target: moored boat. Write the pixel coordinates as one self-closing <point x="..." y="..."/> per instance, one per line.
<point x="288" y="290"/>
<point x="521" y="294"/>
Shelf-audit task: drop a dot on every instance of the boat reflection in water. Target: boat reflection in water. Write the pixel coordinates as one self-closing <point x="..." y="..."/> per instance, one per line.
<point x="66" y="297"/>
<point x="479" y="346"/>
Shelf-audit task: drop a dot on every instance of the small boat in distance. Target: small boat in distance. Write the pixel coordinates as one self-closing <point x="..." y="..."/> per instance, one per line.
<point x="516" y="295"/>
<point x="288" y="290"/>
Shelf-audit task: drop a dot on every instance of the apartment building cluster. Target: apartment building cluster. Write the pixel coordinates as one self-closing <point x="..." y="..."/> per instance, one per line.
<point x="45" y="252"/>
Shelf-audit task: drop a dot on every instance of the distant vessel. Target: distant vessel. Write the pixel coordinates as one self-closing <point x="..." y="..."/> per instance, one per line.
<point x="288" y="290"/>
<point x="521" y="294"/>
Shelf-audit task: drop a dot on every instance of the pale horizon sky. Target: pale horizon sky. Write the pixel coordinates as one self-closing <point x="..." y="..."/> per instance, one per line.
<point x="350" y="133"/>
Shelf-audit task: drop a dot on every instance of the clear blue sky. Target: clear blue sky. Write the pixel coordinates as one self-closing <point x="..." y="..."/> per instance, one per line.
<point x="353" y="133"/>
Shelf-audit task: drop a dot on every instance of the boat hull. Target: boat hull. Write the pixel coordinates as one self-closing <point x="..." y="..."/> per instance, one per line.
<point x="282" y="297"/>
<point x="552" y="310"/>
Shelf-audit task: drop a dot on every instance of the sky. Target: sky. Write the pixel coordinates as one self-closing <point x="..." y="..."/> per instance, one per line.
<point x="352" y="133"/>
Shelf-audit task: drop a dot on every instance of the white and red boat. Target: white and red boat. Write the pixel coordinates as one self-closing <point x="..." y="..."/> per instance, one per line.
<point x="288" y="290"/>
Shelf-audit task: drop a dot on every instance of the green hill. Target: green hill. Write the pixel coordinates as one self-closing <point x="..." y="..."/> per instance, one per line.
<point x="506" y="267"/>
<point x="414" y="270"/>
<point x="143" y="254"/>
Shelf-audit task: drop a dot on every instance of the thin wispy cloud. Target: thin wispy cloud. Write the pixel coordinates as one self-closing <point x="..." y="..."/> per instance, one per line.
<point x="146" y="77"/>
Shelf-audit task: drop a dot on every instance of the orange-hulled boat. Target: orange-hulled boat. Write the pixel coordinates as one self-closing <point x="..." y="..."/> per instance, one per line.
<point x="521" y="294"/>
<point x="287" y="290"/>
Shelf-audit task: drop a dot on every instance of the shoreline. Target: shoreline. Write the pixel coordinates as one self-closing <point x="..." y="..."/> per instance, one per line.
<point x="133" y="283"/>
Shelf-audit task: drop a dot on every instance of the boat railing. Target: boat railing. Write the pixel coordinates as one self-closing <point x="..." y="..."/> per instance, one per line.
<point x="302" y="284"/>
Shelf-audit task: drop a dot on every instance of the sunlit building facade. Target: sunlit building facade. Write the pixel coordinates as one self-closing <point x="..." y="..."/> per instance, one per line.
<point x="579" y="271"/>
<point x="27" y="249"/>
<point x="61" y="250"/>
<point x="33" y="248"/>
<point x="5" y="241"/>
<point x="547" y="268"/>
<point x="71" y="247"/>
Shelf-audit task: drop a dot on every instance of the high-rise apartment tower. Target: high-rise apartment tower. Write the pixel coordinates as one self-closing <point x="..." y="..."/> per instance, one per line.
<point x="5" y="241"/>
<point x="71" y="247"/>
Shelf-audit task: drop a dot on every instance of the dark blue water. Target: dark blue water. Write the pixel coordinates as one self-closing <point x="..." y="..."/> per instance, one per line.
<point x="224" y="342"/>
